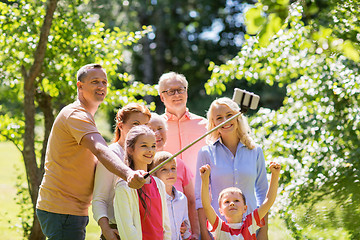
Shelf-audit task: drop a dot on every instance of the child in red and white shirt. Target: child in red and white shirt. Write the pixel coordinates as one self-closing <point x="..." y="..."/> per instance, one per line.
<point x="233" y="205"/>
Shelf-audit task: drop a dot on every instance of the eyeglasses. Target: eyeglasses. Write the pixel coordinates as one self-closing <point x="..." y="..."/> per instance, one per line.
<point x="171" y="92"/>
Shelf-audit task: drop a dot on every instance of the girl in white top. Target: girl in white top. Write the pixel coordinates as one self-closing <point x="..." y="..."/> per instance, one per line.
<point x="142" y="213"/>
<point x="127" y="117"/>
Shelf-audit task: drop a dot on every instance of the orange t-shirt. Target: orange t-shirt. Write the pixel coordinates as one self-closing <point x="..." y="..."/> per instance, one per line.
<point x="68" y="182"/>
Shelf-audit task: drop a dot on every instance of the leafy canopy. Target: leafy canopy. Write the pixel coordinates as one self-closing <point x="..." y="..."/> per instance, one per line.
<point x="315" y="135"/>
<point x="75" y="39"/>
<point x="334" y="23"/>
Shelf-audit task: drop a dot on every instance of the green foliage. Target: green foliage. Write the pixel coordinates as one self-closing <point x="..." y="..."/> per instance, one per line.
<point x="76" y="38"/>
<point x="315" y="135"/>
<point x="266" y="26"/>
<point x="334" y="24"/>
<point x="12" y="129"/>
<point x="23" y="201"/>
<point x="313" y="218"/>
<point x="187" y="36"/>
<point x="282" y="61"/>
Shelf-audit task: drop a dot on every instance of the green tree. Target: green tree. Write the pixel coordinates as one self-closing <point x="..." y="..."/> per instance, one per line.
<point x="186" y="36"/>
<point x="315" y="135"/>
<point x="44" y="43"/>
<point x="333" y="23"/>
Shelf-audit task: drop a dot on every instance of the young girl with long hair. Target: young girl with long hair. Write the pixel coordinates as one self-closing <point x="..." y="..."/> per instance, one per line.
<point x="130" y="115"/>
<point x="142" y="213"/>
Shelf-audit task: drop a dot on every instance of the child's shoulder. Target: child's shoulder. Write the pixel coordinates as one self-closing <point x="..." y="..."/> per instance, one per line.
<point x="159" y="183"/>
<point x="254" y="219"/>
<point x="157" y="180"/>
<point x="179" y="195"/>
<point x="121" y="183"/>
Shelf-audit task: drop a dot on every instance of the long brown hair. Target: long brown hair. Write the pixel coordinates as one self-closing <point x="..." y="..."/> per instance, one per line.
<point x="124" y="113"/>
<point x="131" y="139"/>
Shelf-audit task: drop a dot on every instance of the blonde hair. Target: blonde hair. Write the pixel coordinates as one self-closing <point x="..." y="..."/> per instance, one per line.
<point x="159" y="158"/>
<point x="170" y="75"/>
<point x="243" y="129"/>
<point x="155" y="116"/>
<point x="231" y="190"/>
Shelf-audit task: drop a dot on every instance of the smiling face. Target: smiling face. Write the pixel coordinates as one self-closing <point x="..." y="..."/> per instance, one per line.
<point x="177" y="102"/>
<point x="168" y="173"/>
<point x="221" y="113"/>
<point x="158" y="126"/>
<point x="93" y="86"/>
<point x="134" y="119"/>
<point x="143" y="151"/>
<point x="232" y="206"/>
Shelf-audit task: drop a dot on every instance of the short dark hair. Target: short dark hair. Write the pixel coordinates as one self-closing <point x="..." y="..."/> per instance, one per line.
<point x="81" y="73"/>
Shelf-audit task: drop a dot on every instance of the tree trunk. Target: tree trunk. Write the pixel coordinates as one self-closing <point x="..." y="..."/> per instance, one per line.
<point x="33" y="172"/>
<point x="44" y="101"/>
<point x="36" y="233"/>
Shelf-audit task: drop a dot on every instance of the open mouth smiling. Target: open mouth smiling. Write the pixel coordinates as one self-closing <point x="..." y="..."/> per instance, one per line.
<point x="227" y="126"/>
<point x="100" y="93"/>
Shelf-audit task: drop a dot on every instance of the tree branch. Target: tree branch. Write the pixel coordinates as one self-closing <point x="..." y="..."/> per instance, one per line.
<point x="41" y="48"/>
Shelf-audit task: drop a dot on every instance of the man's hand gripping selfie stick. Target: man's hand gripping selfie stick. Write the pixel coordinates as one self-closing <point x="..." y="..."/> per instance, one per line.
<point x="245" y="99"/>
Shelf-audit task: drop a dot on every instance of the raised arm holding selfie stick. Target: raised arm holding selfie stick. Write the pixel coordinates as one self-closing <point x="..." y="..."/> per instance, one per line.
<point x="245" y="99"/>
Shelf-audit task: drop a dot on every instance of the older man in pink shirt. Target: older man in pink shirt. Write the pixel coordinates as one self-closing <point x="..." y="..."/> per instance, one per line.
<point x="183" y="126"/>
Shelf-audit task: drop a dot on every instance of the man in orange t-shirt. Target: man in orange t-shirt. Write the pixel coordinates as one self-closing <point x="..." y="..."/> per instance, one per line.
<point x="183" y="126"/>
<point x="75" y="145"/>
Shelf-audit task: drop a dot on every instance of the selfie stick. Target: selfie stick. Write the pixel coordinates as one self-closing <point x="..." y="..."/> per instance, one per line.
<point x="245" y="99"/>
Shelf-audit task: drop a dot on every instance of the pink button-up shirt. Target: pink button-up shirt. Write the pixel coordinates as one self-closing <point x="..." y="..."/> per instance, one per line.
<point x="181" y="132"/>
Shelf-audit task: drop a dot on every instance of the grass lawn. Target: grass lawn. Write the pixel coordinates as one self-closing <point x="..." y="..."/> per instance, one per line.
<point x="10" y="224"/>
<point x="11" y="167"/>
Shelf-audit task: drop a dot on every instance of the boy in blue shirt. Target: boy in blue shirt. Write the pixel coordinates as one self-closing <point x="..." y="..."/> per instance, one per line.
<point x="176" y="200"/>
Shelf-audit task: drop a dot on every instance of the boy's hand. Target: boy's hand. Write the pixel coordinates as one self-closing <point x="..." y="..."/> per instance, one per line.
<point x="275" y="168"/>
<point x="205" y="171"/>
<point x="183" y="228"/>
